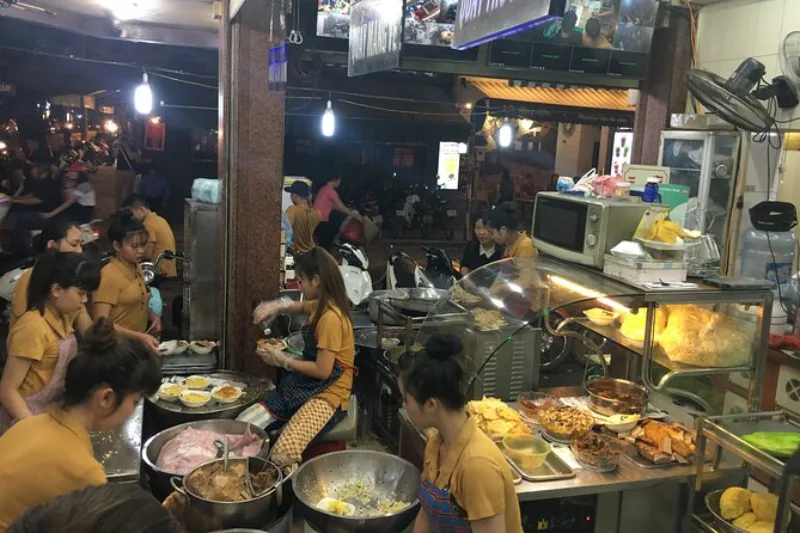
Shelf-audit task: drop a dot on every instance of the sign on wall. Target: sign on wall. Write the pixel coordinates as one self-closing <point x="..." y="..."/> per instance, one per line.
<point x="376" y="31"/>
<point x="481" y="21"/>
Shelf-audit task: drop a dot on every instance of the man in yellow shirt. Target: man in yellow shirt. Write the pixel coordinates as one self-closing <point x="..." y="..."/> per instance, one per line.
<point x="303" y="217"/>
<point x="159" y="233"/>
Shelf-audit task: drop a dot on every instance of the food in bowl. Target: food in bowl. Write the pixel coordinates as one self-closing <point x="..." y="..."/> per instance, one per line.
<point x="596" y="452"/>
<point x="211" y="483"/>
<point x="202" y="347"/>
<point x="194" y="398"/>
<point x="169" y="392"/>
<point x="531" y="402"/>
<point x="565" y="423"/>
<point x="227" y="393"/>
<point x="600" y="316"/>
<point x="390" y="342"/>
<point x="337" y="507"/>
<point x="197" y="382"/>
<point x="271" y="344"/>
<point x="529" y="452"/>
<point x="622" y="397"/>
<point x="195" y="446"/>
<point x="497" y="419"/>
<point x="167" y="347"/>
<point x="180" y="347"/>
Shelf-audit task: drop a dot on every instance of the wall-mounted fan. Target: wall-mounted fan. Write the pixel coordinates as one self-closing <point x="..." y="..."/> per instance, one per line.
<point x="738" y="99"/>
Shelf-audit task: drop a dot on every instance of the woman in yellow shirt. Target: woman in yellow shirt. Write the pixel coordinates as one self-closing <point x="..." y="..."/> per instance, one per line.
<point x="45" y="456"/>
<point x="41" y="344"/>
<point x="60" y="235"/>
<point x="314" y="397"/>
<point x="122" y="295"/>
<point x="467" y="485"/>
<point x="503" y="225"/>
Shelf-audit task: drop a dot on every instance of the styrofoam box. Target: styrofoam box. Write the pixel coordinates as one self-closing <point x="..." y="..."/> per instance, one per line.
<point x="644" y="272"/>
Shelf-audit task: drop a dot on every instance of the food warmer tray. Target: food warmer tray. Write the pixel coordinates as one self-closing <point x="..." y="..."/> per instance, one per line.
<point x="189" y="362"/>
<point x="364" y="338"/>
<point x="255" y="389"/>
<point x="118" y="450"/>
<point x="553" y="468"/>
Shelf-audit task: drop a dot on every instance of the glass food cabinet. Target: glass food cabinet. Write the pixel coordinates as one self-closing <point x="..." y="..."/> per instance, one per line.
<point x="707" y="163"/>
<point x="666" y="339"/>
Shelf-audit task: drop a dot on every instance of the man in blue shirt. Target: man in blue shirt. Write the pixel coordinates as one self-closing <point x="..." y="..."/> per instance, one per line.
<point x="155" y="189"/>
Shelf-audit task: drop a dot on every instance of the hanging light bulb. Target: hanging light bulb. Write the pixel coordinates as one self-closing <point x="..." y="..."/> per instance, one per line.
<point x="505" y="136"/>
<point x="328" y="121"/>
<point x="143" y="97"/>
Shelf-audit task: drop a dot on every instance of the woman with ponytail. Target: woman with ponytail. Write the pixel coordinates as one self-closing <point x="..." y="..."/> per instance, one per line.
<point x="467" y="485"/>
<point x="122" y="295"/>
<point x="504" y="227"/>
<point x="50" y="454"/>
<point x="315" y="396"/>
<point x="42" y="343"/>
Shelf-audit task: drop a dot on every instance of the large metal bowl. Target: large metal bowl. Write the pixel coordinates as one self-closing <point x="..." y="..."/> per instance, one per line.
<point x="393" y="479"/>
<point x="160" y="479"/>
<point x="612" y="396"/>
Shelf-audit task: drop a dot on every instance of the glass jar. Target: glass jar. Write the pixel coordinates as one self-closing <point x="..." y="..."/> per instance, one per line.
<point x="622" y="189"/>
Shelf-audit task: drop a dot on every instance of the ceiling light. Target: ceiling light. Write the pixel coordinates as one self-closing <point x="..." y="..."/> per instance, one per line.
<point x="111" y="127"/>
<point x="3" y="146"/>
<point x="505" y="135"/>
<point x="468" y="105"/>
<point x="127" y="9"/>
<point x="143" y="97"/>
<point x="155" y="120"/>
<point x="328" y="121"/>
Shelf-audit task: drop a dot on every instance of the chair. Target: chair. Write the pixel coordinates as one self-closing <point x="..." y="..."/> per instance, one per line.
<point x="337" y="438"/>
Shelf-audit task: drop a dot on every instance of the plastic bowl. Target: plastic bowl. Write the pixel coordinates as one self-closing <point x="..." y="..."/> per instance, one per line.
<point x="601" y="317"/>
<point x="227" y="400"/>
<point x="529" y="404"/>
<point x="389" y="343"/>
<point x="197" y="382"/>
<point x="592" y="461"/>
<point x="187" y="398"/>
<point x="528" y="451"/>
<point x="180" y="347"/>
<point x="169" y="392"/>
<point x="167" y="347"/>
<point x="202" y="347"/>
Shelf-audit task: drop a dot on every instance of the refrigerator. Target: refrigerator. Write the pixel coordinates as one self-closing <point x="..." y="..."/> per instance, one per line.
<point x="202" y="276"/>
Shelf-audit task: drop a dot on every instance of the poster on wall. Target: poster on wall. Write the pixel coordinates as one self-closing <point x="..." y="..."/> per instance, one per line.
<point x="621" y="152"/>
<point x="449" y="161"/>
<point x="155" y="136"/>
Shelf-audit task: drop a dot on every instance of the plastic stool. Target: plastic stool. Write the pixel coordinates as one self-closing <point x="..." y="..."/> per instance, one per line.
<point x="337" y="438"/>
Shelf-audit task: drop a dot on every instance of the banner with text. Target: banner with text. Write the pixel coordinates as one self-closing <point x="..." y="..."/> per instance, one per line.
<point x="482" y="21"/>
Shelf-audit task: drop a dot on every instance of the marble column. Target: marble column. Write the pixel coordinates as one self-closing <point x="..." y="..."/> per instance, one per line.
<point x="663" y="91"/>
<point x="251" y="126"/>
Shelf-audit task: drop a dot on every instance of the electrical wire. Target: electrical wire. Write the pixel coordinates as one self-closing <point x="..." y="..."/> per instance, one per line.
<point x="187" y="82"/>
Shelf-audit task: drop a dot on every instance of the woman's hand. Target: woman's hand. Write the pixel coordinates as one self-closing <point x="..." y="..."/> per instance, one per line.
<point x="155" y="324"/>
<point x="149" y="342"/>
<point x="270" y="309"/>
<point x="274" y="358"/>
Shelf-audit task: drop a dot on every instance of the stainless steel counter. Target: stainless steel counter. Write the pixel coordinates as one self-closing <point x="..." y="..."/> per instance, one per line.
<point x="119" y="451"/>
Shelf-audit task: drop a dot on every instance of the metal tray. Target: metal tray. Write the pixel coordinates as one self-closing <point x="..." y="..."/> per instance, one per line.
<point x="255" y="389"/>
<point x="553" y="468"/>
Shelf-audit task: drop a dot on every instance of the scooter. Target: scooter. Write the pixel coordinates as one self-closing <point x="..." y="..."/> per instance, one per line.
<point x="405" y="273"/>
<point x="354" y="267"/>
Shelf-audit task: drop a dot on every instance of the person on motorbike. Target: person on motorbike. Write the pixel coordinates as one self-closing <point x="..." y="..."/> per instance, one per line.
<point x="79" y="196"/>
<point x="332" y="211"/>
<point x="481" y="249"/>
<point x="122" y="295"/>
<point x="62" y="236"/>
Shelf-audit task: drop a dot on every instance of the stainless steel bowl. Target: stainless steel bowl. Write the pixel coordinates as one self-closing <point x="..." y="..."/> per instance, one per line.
<point x="159" y="478"/>
<point x="429" y="295"/>
<point x="627" y="397"/>
<point x="389" y="477"/>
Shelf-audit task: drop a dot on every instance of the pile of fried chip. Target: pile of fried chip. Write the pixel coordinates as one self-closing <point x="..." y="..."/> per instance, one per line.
<point x="497" y="419"/>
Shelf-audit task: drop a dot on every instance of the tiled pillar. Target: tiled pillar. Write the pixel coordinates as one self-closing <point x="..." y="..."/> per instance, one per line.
<point x="663" y="91"/>
<point x="251" y="167"/>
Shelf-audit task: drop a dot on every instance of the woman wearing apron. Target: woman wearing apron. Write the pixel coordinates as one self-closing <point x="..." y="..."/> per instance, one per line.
<point x="122" y="295"/>
<point x="45" y="456"/>
<point x="313" y="397"/>
<point x="41" y="344"/>
<point x="467" y="485"/>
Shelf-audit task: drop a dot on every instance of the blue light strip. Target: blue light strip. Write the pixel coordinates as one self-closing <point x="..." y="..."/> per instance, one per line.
<point x="505" y="33"/>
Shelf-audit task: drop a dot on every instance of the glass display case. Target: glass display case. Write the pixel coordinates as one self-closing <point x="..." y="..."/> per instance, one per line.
<point x="707" y="163"/>
<point x="665" y="333"/>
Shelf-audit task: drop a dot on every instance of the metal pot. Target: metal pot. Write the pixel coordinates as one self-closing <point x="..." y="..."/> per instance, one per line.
<point x="612" y="396"/>
<point x="385" y="295"/>
<point x="207" y="515"/>
<point x="160" y="484"/>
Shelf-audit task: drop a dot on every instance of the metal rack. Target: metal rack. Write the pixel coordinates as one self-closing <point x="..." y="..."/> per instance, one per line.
<point x="725" y="432"/>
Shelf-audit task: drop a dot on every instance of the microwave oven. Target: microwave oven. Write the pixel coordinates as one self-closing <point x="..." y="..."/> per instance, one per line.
<point x="582" y="230"/>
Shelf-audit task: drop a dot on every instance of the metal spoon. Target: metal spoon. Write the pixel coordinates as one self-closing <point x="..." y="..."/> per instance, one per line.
<point x="248" y="480"/>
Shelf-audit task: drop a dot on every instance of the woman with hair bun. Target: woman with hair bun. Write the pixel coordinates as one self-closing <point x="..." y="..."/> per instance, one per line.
<point x="467" y="486"/>
<point x="122" y="295"/>
<point x="503" y="224"/>
<point x="48" y="455"/>
<point x="41" y="343"/>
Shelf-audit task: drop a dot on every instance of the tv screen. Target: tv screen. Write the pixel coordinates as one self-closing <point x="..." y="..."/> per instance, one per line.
<point x="333" y="18"/>
<point x="593" y="37"/>
<point x="429" y="22"/>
